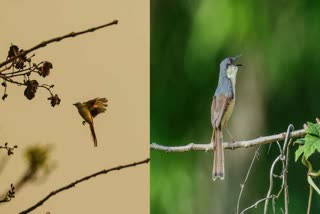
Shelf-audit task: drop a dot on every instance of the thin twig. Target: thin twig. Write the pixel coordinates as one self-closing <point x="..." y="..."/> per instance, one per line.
<point x="270" y="185"/>
<point x="285" y="178"/>
<point x="283" y="157"/>
<point x="9" y="195"/>
<point x="284" y="160"/>
<point x="239" y="144"/>
<point x="46" y="87"/>
<point x="56" y="39"/>
<point x="12" y="81"/>
<point x="6" y="68"/>
<point x="310" y="199"/>
<point x="73" y="184"/>
<point x="314" y="186"/>
<point x="256" y="154"/>
<point x="255" y="204"/>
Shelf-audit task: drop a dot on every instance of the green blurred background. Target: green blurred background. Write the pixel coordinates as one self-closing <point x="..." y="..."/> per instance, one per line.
<point x="278" y="85"/>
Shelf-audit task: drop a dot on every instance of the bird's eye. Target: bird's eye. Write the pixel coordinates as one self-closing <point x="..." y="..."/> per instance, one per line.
<point x="229" y="63"/>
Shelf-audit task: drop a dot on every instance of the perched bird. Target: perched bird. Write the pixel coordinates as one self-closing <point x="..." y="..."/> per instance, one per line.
<point x="90" y="109"/>
<point x="221" y="110"/>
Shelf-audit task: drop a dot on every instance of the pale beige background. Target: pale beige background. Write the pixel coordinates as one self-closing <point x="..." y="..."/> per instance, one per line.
<point x="113" y="63"/>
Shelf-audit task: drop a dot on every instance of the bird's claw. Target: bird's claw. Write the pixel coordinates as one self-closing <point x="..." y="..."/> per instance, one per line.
<point x="83" y="122"/>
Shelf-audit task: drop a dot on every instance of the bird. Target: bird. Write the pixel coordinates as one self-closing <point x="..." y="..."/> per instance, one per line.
<point x="221" y="109"/>
<point x="90" y="109"/>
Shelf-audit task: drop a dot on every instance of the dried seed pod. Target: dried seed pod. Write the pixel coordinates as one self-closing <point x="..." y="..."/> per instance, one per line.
<point x="31" y="89"/>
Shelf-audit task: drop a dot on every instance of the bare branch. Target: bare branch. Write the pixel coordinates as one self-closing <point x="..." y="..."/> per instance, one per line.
<point x="236" y="145"/>
<point x="73" y="184"/>
<point x="23" y="67"/>
<point x="57" y="39"/>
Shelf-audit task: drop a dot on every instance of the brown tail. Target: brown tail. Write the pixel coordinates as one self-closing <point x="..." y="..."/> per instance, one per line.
<point x="93" y="134"/>
<point x="218" y="159"/>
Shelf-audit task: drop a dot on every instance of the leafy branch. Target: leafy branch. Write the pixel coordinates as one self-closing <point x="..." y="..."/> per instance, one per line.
<point x="308" y="146"/>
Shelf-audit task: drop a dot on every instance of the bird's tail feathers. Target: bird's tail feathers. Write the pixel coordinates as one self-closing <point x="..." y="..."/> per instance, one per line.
<point x="218" y="159"/>
<point x="93" y="134"/>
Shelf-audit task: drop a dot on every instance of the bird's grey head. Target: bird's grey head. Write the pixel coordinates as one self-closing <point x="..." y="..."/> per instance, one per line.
<point x="227" y="76"/>
<point x="228" y="68"/>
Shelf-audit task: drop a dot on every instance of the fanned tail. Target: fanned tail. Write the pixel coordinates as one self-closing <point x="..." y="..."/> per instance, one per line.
<point x="93" y="134"/>
<point x="218" y="159"/>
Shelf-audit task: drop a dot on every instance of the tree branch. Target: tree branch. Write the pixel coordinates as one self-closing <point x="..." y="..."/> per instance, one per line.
<point x="73" y="184"/>
<point x="236" y="145"/>
<point x="56" y="39"/>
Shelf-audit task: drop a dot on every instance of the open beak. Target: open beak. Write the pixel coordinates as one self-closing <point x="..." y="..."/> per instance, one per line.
<point x="235" y="58"/>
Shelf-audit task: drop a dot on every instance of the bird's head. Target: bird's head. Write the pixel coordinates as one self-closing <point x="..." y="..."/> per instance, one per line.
<point x="228" y="68"/>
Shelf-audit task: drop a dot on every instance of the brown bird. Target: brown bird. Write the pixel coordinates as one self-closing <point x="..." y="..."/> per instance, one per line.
<point x="90" y="109"/>
<point x="221" y="110"/>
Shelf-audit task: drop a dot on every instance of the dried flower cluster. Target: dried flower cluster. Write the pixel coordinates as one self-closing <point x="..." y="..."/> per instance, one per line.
<point x="22" y="67"/>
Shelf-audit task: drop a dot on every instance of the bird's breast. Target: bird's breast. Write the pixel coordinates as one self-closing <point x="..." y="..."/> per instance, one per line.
<point x="228" y="112"/>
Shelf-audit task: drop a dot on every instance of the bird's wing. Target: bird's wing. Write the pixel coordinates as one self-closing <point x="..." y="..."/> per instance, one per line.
<point x="97" y="106"/>
<point x="218" y="108"/>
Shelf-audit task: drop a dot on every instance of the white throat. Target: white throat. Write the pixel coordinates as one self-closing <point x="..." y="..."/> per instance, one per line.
<point x="232" y="74"/>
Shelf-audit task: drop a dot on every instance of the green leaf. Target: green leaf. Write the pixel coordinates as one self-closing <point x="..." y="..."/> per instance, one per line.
<point x="298" y="152"/>
<point x="312" y="143"/>
<point x="317" y="125"/>
<point x="308" y="146"/>
<point x="313" y="129"/>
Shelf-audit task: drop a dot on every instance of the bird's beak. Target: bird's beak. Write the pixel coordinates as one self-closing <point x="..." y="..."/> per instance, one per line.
<point x="74" y="104"/>
<point x="235" y="58"/>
